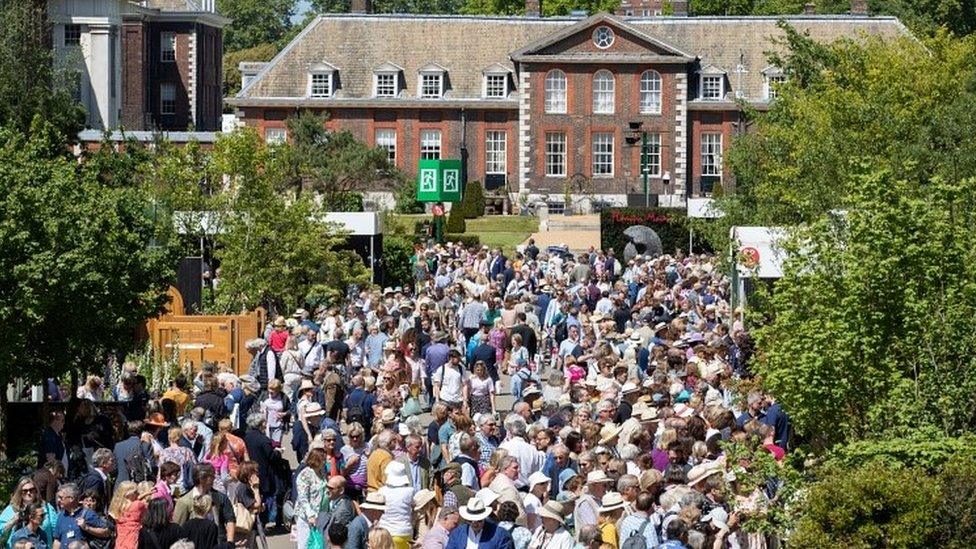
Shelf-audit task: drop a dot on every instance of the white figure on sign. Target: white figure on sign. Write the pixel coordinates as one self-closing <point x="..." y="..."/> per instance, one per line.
<point x="428" y="181"/>
<point x="451" y="181"/>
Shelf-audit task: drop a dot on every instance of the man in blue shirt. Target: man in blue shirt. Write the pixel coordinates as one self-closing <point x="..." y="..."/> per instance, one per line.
<point x="435" y="356"/>
<point x="75" y="523"/>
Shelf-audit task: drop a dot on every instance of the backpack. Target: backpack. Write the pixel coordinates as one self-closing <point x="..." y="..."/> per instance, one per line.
<point x="637" y="539"/>
<point x="138" y="467"/>
<point x="561" y="332"/>
<point x="355" y="413"/>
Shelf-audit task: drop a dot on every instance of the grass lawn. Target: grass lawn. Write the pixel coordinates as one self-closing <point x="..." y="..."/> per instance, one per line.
<point x="506" y="231"/>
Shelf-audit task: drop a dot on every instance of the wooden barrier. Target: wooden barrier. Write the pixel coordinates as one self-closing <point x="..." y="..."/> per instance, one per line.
<point x="198" y="338"/>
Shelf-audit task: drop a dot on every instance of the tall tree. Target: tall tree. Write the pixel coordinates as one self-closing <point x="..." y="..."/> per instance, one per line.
<point x="82" y="263"/>
<point x="255" y="22"/>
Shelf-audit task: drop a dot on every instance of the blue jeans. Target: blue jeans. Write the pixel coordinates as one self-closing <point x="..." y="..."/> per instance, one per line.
<point x="517" y="382"/>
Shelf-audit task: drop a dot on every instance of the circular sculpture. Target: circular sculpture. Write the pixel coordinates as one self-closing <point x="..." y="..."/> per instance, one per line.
<point x="641" y="240"/>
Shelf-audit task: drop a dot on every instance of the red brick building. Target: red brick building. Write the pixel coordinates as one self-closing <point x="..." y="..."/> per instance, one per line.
<point x="538" y="107"/>
<point x="144" y="65"/>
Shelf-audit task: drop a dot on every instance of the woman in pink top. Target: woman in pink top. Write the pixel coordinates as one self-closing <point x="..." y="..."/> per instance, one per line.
<point x="127" y="509"/>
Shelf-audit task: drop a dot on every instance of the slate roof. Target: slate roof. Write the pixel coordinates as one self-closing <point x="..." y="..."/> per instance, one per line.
<point x="359" y="43"/>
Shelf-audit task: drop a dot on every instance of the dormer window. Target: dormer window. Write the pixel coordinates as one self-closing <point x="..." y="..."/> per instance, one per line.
<point x="321" y="81"/>
<point x="773" y="77"/>
<point x="430" y="85"/>
<point x="386" y="80"/>
<point x="495" y="82"/>
<point x="712" y="87"/>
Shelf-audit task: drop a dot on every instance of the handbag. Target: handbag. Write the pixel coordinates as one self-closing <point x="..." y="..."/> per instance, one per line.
<point x="411" y="407"/>
<point x="315" y="540"/>
<point x="243" y="518"/>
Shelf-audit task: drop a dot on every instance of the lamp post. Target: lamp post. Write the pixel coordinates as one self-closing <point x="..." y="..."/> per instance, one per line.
<point x="637" y="133"/>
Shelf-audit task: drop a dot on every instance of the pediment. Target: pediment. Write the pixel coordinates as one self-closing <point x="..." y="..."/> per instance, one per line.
<point x="388" y="67"/>
<point x="580" y="42"/>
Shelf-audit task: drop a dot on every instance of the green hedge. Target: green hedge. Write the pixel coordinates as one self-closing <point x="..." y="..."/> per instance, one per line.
<point x="455" y="220"/>
<point x="467" y="240"/>
<point x="473" y="201"/>
<point x="397" y="269"/>
<point x="670" y="224"/>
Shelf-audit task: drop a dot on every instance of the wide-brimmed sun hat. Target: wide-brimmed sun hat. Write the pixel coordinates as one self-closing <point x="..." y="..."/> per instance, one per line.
<point x="375" y="501"/>
<point x="475" y="510"/>
<point x="423" y="497"/>
<point x="611" y="502"/>
<point x="553" y="510"/>
<point x="396" y="474"/>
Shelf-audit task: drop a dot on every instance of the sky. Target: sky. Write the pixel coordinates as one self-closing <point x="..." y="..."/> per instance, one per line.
<point x="301" y="8"/>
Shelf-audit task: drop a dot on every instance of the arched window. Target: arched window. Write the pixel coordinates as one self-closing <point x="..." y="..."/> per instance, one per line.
<point x="556" y="91"/>
<point x="650" y="93"/>
<point x="603" y="92"/>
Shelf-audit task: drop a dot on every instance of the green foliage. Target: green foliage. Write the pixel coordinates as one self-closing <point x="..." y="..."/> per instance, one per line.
<point x="901" y="105"/>
<point x="397" y="252"/>
<point x="231" y="61"/>
<point x="955" y="523"/>
<point x="82" y="263"/>
<point x="255" y="22"/>
<point x="30" y="82"/>
<point x="493" y="7"/>
<point x="669" y="224"/>
<point x="473" y="201"/>
<point x="467" y="240"/>
<point x="405" y="195"/>
<point x="563" y="7"/>
<point x="872" y="333"/>
<point x="332" y="164"/>
<point x="867" y="507"/>
<point x="455" y="221"/>
<point x="275" y="250"/>
<point x="158" y="370"/>
<point x="755" y="470"/>
<point x="924" y="449"/>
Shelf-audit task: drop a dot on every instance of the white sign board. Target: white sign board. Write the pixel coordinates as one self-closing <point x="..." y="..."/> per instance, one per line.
<point x="758" y="251"/>
<point x="703" y="208"/>
<point x="357" y="223"/>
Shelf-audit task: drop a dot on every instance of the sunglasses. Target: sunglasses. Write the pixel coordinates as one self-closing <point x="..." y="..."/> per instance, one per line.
<point x="28" y="490"/>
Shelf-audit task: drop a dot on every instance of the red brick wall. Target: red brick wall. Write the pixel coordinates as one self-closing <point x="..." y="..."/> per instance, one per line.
<point x="579" y="123"/>
<point x="709" y="122"/>
<point x="408" y="124"/>
<point x="623" y="42"/>
<point x="134" y="77"/>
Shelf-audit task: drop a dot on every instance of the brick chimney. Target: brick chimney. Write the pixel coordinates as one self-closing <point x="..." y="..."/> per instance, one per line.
<point x="809" y="8"/>
<point x="533" y="8"/>
<point x="859" y="7"/>
<point x="361" y="6"/>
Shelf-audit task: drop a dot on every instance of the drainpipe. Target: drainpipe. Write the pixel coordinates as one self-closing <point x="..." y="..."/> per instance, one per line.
<point x="464" y="148"/>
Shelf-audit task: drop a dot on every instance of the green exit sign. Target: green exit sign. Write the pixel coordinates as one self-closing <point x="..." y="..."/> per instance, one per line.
<point x="439" y="181"/>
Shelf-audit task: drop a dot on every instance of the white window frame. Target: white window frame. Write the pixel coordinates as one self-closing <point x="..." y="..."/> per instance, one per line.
<point x="163" y="101"/>
<point x="496" y="152"/>
<point x="430" y="144"/>
<point x="711" y="154"/>
<point x="275" y="136"/>
<point x="386" y="138"/>
<point x="603" y="37"/>
<point x="315" y="90"/>
<point x="654" y="155"/>
<point x="650" y="92"/>
<point x="712" y="87"/>
<point x="601" y="154"/>
<point x="770" y="82"/>
<point x="555" y="154"/>
<point x="386" y="74"/>
<point x="167" y="55"/>
<point x="496" y="90"/>
<point x="604" y="92"/>
<point x="555" y="92"/>
<point x="422" y="89"/>
<point x="76" y="40"/>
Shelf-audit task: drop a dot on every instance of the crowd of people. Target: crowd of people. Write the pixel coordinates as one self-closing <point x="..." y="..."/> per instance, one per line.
<point x="546" y="400"/>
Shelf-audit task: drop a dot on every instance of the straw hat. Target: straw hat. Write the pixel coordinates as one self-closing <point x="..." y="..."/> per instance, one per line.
<point x="375" y="501"/>
<point x="702" y="471"/>
<point x="314" y="409"/>
<point x="537" y="478"/>
<point x="609" y="432"/>
<point x="487" y="495"/>
<point x="611" y="502"/>
<point x="553" y="510"/>
<point x="475" y="510"/>
<point x="597" y="476"/>
<point x="423" y="497"/>
<point x="388" y="417"/>
<point x="306" y="384"/>
<point x="279" y="322"/>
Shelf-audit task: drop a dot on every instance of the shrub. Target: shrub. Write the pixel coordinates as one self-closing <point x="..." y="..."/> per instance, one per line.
<point x="455" y="220"/>
<point x="397" y="251"/>
<point x="875" y="505"/>
<point x="955" y="524"/>
<point x="466" y="240"/>
<point x="473" y="201"/>
<point x="669" y="224"/>
<point x="405" y="195"/>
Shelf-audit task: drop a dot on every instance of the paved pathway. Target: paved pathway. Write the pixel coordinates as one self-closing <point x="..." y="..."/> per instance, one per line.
<point x="282" y="540"/>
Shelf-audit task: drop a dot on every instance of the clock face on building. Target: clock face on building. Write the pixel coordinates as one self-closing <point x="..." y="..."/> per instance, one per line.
<point x="603" y="37"/>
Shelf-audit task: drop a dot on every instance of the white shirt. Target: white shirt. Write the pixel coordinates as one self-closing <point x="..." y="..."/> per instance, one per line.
<point x="473" y="538"/>
<point x="451" y="382"/>
<point x="398" y="517"/>
<point x="311" y="352"/>
<point x="530" y="459"/>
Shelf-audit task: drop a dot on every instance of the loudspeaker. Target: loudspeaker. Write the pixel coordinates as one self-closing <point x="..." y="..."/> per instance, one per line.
<point x="189" y="281"/>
